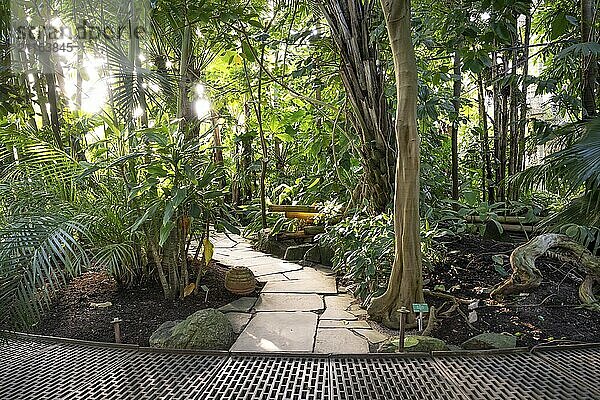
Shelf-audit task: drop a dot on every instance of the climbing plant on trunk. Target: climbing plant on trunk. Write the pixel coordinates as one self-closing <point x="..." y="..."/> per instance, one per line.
<point x="405" y="286"/>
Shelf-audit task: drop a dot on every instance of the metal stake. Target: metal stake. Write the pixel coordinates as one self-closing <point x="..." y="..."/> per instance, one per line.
<point x="117" y="327"/>
<point x="403" y="313"/>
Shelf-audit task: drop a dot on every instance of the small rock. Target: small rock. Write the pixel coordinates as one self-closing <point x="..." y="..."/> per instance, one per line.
<point x="488" y="341"/>
<point x="473" y="317"/>
<point x="106" y="304"/>
<point x="206" y="329"/>
<point x="474" y="305"/>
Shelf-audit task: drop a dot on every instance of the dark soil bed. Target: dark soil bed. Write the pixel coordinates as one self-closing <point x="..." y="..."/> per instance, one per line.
<point x="142" y="309"/>
<point x="551" y="313"/>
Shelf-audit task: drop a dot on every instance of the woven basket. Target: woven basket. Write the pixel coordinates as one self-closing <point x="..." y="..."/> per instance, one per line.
<point x="240" y="280"/>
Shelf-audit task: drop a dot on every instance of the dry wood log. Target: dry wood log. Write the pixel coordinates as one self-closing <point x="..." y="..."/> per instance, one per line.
<point x="526" y="276"/>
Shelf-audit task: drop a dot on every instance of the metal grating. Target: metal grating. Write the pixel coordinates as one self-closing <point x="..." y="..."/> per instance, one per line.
<point x="155" y="376"/>
<point x="34" y="368"/>
<point x="271" y="378"/>
<point x="583" y="363"/>
<point x="389" y="378"/>
<point x="54" y="371"/>
<point x="513" y="376"/>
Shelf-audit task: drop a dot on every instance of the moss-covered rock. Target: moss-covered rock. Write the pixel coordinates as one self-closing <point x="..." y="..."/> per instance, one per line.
<point x="414" y="343"/>
<point x="204" y="330"/>
<point x="489" y="341"/>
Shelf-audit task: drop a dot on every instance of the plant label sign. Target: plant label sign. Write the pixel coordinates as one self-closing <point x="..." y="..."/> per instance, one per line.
<point x="420" y="308"/>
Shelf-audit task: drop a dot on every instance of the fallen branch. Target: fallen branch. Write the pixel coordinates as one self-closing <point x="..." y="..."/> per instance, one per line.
<point x="526" y="276"/>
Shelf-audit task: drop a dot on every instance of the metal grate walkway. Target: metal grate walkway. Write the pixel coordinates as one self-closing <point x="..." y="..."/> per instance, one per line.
<point x="61" y="369"/>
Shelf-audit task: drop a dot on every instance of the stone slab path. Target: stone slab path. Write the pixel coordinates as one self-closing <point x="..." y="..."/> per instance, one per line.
<point x="300" y="308"/>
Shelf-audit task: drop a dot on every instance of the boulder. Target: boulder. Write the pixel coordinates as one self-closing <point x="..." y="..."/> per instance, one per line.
<point x="424" y="344"/>
<point x="296" y="253"/>
<point x="414" y="344"/>
<point x="313" y="255"/>
<point x="207" y="329"/>
<point x="488" y="341"/>
<point x="327" y="255"/>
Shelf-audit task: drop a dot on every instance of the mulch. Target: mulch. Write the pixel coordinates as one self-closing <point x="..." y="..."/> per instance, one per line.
<point x="141" y="309"/>
<point x="551" y="313"/>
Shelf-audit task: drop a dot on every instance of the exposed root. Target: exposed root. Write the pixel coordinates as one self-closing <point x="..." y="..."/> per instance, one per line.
<point x="431" y="322"/>
<point x="526" y="276"/>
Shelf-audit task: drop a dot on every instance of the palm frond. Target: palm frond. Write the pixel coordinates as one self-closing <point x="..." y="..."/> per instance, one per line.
<point x="38" y="253"/>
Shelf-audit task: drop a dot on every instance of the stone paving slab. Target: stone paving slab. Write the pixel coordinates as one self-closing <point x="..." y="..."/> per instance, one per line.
<point x="278" y="332"/>
<point x="332" y="313"/>
<point x="339" y="302"/>
<point x="305" y="273"/>
<point x="271" y="278"/>
<point x="325" y="286"/>
<point x="238" y="320"/>
<point x="288" y="302"/>
<point x="277" y="267"/>
<point x="340" y="341"/>
<point x="372" y="335"/>
<point x="336" y="323"/>
<point x="243" y="304"/>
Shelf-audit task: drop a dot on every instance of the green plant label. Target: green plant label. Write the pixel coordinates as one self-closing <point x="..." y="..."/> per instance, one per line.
<point x="420" y="307"/>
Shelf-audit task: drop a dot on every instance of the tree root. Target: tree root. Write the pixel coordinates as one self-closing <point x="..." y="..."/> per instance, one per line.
<point x="431" y="322"/>
<point x="526" y="276"/>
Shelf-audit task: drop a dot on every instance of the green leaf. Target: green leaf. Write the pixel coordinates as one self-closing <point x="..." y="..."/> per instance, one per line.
<point x="174" y="203"/>
<point x="157" y="170"/>
<point x="165" y="231"/>
<point x="230" y="228"/>
<point x="285" y="137"/>
<point x="148" y="214"/>
<point x="247" y="52"/>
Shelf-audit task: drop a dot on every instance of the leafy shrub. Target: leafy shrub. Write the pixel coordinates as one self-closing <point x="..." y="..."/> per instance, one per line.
<point x="364" y="250"/>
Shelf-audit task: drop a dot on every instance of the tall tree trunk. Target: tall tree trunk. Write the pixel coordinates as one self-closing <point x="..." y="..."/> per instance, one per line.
<point x="54" y="102"/>
<point x="405" y="285"/>
<point x="589" y="71"/>
<point x="485" y="146"/>
<point x="523" y="100"/>
<point x="456" y="103"/>
<point x="513" y="155"/>
<point x="350" y="23"/>
<point x="497" y="122"/>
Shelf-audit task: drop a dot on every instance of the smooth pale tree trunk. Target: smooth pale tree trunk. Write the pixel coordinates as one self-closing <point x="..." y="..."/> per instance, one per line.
<point x="405" y="286"/>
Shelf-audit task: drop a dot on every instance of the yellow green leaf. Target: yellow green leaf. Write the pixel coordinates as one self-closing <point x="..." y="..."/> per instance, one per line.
<point x="209" y="249"/>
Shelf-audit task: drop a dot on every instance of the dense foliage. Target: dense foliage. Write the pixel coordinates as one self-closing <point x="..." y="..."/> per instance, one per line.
<point x="120" y="155"/>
